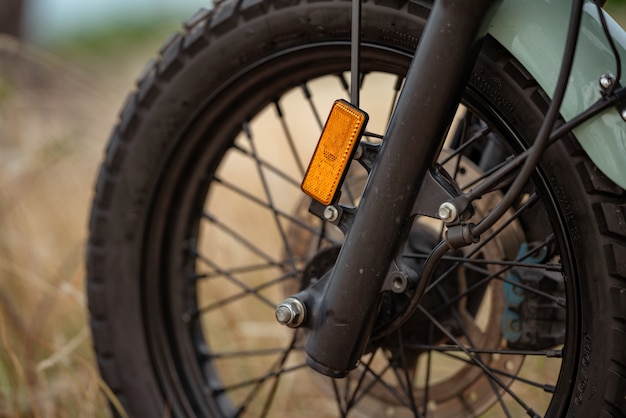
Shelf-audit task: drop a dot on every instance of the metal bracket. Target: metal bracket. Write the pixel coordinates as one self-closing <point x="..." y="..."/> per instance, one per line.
<point x="439" y="189"/>
<point x="608" y="85"/>
<point x="366" y="154"/>
<point x="400" y="278"/>
<point x="338" y="215"/>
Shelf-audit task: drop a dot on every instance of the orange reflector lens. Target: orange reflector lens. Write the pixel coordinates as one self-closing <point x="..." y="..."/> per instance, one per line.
<point x="333" y="153"/>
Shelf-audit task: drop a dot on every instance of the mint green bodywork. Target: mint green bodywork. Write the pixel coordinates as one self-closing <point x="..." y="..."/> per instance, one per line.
<point x="534" y="31"/>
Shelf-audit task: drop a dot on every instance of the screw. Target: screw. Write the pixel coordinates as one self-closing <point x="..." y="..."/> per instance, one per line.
<point x="291" y="312"/>
<point x="607" y="80"/>
<point x="447" y="212"/>
<point x="331" y="213"/>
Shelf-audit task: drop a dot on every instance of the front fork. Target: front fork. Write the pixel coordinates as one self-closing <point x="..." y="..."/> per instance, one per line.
<point x="341" y="314"/>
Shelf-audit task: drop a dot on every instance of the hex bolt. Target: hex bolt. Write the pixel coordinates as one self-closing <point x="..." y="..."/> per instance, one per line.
<point x="447" y="212"/>
<point x="607" y="80"/>
<point x="331" y="213"/>
<point x="291" y="312"/>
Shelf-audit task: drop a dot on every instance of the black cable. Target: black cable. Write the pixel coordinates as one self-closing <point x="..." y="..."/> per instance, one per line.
<point x="543" y="137"/>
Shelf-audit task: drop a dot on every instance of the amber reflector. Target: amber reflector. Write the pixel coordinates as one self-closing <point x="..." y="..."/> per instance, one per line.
<point x="333" y="153"/>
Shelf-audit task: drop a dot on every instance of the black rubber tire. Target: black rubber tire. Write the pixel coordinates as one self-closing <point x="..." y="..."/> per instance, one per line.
<point x="211" y="61"/>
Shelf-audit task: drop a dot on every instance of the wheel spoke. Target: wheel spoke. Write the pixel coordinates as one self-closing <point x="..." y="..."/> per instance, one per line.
<point x="353" y="399"/>
<point x="473" y="350"/>
<point x="245" y="242"/>
<point x="396" y="93"/>
<point x="230" y="277"/>
<point x="248" y="353"/>
<point x="429" y="364"/>
<point x="258" y="380"/>
<point x="528" y="204"/>
<point x="557" y="267"/>
<point x="497" y="276"/>
<point x="268" y="195"/>
<point x="270" y="398"/>
<point x="292" y="219"/>
<point x="543" y="386"/>
<point x="290" y="141"/>
<point x="243" y="269"/>
<point x="478" y="362"/>
<point x="388" y="387"/>
<point x="404" y="377"/>
<point x="269" y="166"/>
<point x="440" y="358"/>
<point x="466" y="144"/>
<point x="343" y="410"/>
<point x="309" y="99"/>
<point x="238" y="296"/>
<point x="468" y="334"/>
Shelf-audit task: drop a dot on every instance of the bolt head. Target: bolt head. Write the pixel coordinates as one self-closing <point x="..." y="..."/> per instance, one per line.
<point x="284" y="315"/>
<point x="331" y="213"/>
<point x="607" y="80"/>
<point x="447" y="212"/>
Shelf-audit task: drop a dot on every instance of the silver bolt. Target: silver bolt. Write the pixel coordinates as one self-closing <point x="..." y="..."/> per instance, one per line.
<point x="331" y="213"/>
<point x="284" y="314"/>
<point x="607" y="80"/>
<point x="447" y="212"/>
<point x="291" y="312"/>
<point x="623" y="114"/>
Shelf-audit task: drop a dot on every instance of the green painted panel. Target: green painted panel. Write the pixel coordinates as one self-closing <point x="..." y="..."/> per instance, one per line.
<point x="534" y="31"/>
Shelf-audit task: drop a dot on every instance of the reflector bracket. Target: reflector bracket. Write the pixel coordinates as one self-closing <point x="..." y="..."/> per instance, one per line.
<point x="335" y="148"/>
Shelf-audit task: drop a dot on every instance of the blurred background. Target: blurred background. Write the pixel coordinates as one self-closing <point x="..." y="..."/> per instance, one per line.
<point x="66" y="67"/>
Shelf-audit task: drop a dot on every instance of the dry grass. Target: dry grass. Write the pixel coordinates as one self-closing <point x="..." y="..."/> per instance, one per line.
<point x="54" y="121"/>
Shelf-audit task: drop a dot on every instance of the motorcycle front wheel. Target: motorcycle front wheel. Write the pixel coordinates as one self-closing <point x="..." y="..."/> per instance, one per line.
<point x="199" y="229"/>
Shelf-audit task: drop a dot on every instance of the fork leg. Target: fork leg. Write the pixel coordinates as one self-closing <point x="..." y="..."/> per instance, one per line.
<point x="345" y="313"/>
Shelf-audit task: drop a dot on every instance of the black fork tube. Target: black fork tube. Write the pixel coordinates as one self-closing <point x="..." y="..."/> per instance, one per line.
<point x="433" y="87"/>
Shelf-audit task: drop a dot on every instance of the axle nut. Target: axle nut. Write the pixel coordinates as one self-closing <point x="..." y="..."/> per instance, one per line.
<point x="291" y="312"/>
